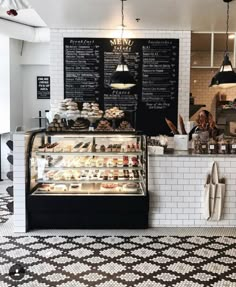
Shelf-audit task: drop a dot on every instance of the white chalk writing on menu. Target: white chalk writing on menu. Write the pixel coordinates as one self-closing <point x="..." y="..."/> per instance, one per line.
<point x="82" y="60"/>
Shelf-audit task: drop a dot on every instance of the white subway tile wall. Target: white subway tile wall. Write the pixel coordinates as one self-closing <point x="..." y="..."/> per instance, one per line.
<point x="19" y="170"/>
<point x="176" y="189"/>
<point x="56" y="61"/>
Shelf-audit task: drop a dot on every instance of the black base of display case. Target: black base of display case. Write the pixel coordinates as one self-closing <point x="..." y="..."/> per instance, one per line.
<point x="98" y="212"/>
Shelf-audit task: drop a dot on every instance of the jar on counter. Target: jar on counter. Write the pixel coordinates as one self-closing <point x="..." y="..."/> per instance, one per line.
<point x="212" y="146"/>
<point x="204" y="147"/>
<point x="223" y="146"/>
<point x="232" y="146"/>
<point x="196" y="144"/>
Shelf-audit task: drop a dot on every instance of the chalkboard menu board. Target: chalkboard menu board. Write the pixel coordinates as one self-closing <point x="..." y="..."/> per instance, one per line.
<point x="154" y="63"/>
<point x="43" y="87"/>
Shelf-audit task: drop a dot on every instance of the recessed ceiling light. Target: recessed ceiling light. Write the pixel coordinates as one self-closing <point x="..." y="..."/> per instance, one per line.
<point x="231" y="36"/>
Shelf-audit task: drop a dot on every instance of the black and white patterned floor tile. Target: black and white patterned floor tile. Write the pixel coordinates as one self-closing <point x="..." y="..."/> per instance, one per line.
<point x="119" y="261"/>
<point x="4" y="212"/>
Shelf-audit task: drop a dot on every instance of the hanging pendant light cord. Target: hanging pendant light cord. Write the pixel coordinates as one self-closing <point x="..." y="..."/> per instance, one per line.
<point x="227" y="30"/>
<point x="122" y="33"/>
<point x="122" y="24"/>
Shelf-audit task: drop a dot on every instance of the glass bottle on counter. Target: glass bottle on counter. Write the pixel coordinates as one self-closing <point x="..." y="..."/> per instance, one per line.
<point x="196" y="144"/>
<point x="232" y="146"/>
<point x="212" y="146"/>
<point x="200" y="140"/>
<point x="222" y="146"/>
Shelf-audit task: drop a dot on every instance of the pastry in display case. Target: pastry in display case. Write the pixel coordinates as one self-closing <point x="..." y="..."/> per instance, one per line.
<point x="87" y="167"/>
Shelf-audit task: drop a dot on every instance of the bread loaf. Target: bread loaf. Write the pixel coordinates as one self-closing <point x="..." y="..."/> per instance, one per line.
<point x="172" y="127"/>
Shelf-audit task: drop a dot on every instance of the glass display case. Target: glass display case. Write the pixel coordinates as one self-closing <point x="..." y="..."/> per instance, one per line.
<point x="85" y="164"/>
<point x="85" y="167"/>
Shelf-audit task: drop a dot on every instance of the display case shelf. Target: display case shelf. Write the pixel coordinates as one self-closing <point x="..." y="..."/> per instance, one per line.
<point x="96" y="134"/>
<point x="94" y="168"/>
<point x="73" y="181"/>
<point x="98" y="193"/>
<point x="90" y="153"/>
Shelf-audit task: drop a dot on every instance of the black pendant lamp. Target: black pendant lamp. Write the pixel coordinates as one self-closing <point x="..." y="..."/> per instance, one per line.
<point x="225" y="77"/>
<point x="122" y="79"/>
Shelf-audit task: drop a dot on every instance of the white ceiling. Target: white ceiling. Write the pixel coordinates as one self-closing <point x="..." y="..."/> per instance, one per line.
<point x="25" y="16"/>
<point x="196" y="15"/>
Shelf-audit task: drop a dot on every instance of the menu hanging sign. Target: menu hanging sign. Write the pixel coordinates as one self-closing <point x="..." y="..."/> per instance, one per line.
<point x="90" y="62"/>
<point x="43" y="87"/>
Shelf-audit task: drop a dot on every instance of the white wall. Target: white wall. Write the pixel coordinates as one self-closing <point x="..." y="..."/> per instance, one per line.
<point x="32" y="105"/>
<point x="4" y="101"/>
<point x="35" y="62"/>
<point x="56" y="57"/>
<point x="18" y="73"/>
<point x="28" y="60"/>
<point x="35" y="54"/>
<point x="4" y="85"/>
<point x="16" y="96"/>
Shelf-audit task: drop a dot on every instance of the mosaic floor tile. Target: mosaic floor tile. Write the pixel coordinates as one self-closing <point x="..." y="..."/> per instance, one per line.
<point x="106" y="261"/>
<point x="4" y="212"/>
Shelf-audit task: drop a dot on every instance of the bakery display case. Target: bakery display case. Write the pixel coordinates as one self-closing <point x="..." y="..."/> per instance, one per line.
<point x="87" y="180"/>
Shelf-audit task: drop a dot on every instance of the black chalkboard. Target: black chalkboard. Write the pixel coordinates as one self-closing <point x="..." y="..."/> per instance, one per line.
<point x="43" y="87"/>
<point x="90" y="62"/>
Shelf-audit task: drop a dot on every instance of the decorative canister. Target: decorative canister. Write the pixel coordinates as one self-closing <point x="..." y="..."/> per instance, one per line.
<point x="232" y="146"/>
<point x="212" y="146"/>
<point x="197" y="145"/>
<point x="223" y="146"/>
<point x="204" y="147"/>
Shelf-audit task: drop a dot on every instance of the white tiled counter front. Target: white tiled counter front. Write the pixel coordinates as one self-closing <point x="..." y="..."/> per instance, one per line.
<point x="176" y="189"/>
<point x="20" y="140"/>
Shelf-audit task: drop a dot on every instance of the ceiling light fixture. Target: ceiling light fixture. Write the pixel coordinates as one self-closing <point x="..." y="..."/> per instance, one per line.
<point x="225" y="77"/>
<point x="12" y="12"/>
<point x="13" y="6"/>
<point x="122" y="79"/>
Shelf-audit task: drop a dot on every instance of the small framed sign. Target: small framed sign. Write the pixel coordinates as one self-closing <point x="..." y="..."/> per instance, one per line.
<point x="43" y="87"/>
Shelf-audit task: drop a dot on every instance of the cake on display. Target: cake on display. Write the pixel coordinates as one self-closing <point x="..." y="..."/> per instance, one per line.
<point x="91" y="110"/>
<point x="125" y="126"/>
<point x="104" y="125"/>
<point x="81" y="124"/>
<point x="114" y="113"/>
<point x="73" y="115"/>
<point x="57" y="124"/>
